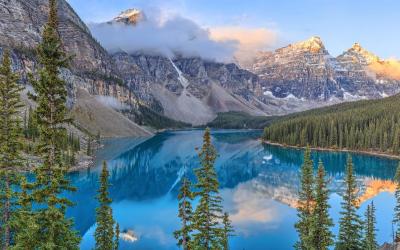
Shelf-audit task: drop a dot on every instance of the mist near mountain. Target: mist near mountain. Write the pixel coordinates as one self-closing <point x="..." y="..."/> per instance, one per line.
<point x="389" y="68"/>
<point x="175" y="35"/>
<point x="112" y="102"/>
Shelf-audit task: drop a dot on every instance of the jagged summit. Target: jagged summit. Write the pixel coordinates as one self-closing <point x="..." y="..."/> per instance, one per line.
<point x="359" y="54"/>
<point x="130" y="16"/>
<point x="307" y="71"/>
<point x="357" y="47"/>
<point x="312" y="41"/>
<point x="313" y="44"/>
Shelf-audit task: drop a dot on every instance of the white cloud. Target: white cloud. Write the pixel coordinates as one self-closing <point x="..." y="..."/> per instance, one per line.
<point x="250" y="40"/>
<point x="167" y="35"/>
<point x="166" y="32"/>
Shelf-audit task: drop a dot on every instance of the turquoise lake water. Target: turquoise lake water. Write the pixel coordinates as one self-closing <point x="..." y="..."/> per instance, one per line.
<point x="259" y="185"/>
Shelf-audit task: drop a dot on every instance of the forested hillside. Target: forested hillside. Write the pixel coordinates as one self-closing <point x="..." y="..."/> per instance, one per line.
<point x="240" y="120"/>
<point x="364" y="125"/>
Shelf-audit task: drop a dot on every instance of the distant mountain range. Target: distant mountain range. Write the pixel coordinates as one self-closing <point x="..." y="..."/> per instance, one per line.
<point x="306" y="70"/>
<point x="155" y="90"/>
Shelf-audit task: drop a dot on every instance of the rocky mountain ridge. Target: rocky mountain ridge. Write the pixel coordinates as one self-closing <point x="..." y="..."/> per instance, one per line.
<point x="305" y="70"/>
<point x="91" y="67"/>
<point x="190" y="89"/>
<point x="185" y="89"/>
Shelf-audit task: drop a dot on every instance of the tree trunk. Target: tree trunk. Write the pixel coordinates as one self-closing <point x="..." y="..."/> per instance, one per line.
<point x="184" y="243"/>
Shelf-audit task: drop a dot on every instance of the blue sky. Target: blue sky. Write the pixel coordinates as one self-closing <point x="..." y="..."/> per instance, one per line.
<point x="340" y="23"/>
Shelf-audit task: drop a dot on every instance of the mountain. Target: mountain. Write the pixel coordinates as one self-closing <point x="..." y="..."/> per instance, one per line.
<point x="130" y="16"/>
<point x="187" y="89"/>
<point x="153" y="89"/>
<point x="22" y="23"/>
<point x="91" y="68"/>
<point x="361" y="65"/>
<point x="305" y="70"/>
<point x="164" y="92"/>
<point x="191" y="90"/>
<point x="94" y="116"/>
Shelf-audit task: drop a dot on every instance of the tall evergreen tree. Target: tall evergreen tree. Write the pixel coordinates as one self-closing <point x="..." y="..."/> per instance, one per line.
<point x="54" y="229"/>
<point x="369" y="241"/>
<point x="350" y="222"/>
<point x="208" y="213"/>
<point x="116" y="238"/>
<point x="396" y="219"/>
<point x="24" y="221"/>
<point x="11" y="136"/>
<point x="32" y="129"/>
<point x="322" y="223"/>
<point x="306" y="203"/>
<point x="185" y="197"/>
<point x="227" y="231"/>
<point x="106" y="237"/>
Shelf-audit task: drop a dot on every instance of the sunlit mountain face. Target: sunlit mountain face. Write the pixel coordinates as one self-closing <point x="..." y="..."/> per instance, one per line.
<point x="259" y="185"/>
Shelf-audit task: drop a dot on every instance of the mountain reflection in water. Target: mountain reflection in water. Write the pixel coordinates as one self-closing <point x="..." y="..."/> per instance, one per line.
<point x="259" y="184"/>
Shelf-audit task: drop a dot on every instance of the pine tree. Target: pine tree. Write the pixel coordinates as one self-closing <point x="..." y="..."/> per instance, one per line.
<point x="350" y="222"/>
<point x="185" y="197"/>
<point x="105" y="235"/>
<point x="208" y="213"/>
<point x="369" y="241"/>
<point x="11" y="136"/>
<point x="322" y="236"/>
<point x="305" y="204"/>
<point x="54" y="229"/>
<point x="116" y="239"/>
<point x="396" y="219"/>
<point x="227" y="231"/>
<point x="24" y="220"/>
<point x="32" y="129"/>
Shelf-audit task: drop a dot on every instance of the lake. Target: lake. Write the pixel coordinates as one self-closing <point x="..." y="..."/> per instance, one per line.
<point x="259" y="185"/>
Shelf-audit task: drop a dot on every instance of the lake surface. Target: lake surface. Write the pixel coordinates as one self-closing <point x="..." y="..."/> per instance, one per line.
<point x="259" y="185"/>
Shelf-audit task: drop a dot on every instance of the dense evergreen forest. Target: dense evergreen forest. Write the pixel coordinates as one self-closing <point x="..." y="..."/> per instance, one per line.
<point x="372" y="125"/>
<point x="240" y="120"/>
<point x="148" y="117"/>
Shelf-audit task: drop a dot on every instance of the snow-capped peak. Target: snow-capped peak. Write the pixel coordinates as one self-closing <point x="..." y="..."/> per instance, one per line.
<point x="129" y="13"/>
<point x="367" y="56"/>
<point x="313" y="44"/>
<point x="130" y="16"/>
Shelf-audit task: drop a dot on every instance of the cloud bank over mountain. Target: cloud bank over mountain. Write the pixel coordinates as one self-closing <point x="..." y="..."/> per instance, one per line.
<point x="170" y="35"/>
<point x="177" y="35"/>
